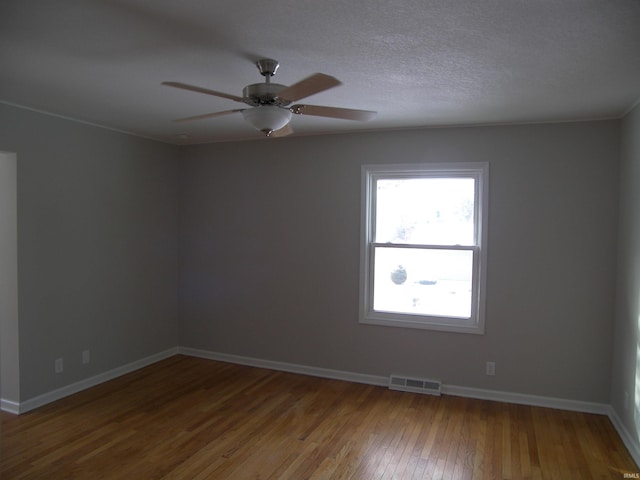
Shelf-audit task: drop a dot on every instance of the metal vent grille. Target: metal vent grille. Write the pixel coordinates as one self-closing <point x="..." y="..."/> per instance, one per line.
<point x="416" y="385"/>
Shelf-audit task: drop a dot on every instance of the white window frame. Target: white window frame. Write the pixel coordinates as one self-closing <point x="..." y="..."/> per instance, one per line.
<point x="370" y="174"/>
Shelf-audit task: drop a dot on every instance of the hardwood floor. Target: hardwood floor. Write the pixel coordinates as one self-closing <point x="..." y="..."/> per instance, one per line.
<point x="189" y="418"/>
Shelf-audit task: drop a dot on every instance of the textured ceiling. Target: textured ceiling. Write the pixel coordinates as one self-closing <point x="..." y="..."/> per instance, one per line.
<point x="417" y="62"/>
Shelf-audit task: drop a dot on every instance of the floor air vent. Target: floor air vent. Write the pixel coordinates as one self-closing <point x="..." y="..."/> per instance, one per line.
<point x="416" y="385"/>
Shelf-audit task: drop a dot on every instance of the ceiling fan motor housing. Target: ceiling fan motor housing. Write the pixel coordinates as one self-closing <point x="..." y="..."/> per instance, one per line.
<point x="263" y="94"/>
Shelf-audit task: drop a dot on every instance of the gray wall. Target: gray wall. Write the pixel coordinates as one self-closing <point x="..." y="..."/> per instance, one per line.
<point x="259" y="241"/>
<point x="9" y="359"/>
<point x="97" y="247"/>
<point x="626" y="351"/>
<point x="269" y="250"/>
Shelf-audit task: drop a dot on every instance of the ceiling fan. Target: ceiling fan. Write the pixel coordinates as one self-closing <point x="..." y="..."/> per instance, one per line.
<point x="270" y="104"/>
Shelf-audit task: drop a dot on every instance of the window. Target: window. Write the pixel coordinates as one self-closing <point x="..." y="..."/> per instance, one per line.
<point x="423" y="250"/>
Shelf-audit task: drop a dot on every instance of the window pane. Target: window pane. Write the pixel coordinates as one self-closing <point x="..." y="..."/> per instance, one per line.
<point x="428" y="211"/>
<point x="423" y="282"/>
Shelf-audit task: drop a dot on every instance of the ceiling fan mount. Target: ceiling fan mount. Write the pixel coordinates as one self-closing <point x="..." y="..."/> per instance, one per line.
<point x="270" y="103"/>
<point x="267" y="66"/>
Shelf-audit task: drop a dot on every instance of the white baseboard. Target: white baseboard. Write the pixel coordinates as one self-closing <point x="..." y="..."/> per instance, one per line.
<point x="9" y="406"/>
<point x="494" y="395"/>
<point x="631" y="443"/>
<point x="526" y="399"/>
<point x="41" y="400"/>
<point x="508" y="397"/>
<point x="498" y="396"/>
<point x="286" y="367"/>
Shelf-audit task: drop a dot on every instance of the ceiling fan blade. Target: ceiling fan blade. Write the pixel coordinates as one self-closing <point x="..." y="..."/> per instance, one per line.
<point x="208" y="115"/>
<point x="333" y="112"/>
<point x="206" y="91"/>
<point x="282" y="132"/>
<point x="318" y="82"/>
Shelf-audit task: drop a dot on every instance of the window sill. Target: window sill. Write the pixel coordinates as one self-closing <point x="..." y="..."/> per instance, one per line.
<point x="440" y="324"/>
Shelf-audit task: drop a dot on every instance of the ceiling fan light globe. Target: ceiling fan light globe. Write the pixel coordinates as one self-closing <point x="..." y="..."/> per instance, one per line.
<point x="267" y="117"/>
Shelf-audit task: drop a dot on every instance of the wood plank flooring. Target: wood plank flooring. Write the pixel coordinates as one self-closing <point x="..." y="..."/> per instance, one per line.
<point x="189" y="418"/>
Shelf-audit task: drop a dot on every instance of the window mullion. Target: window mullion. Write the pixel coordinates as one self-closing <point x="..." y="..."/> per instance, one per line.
<point x="423" y="246"/>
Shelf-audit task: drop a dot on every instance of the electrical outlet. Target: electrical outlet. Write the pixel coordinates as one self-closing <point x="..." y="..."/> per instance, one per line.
<point x="58" y="365"/>
<point x="491" y="368"/>
<point x="86" y="358"/>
